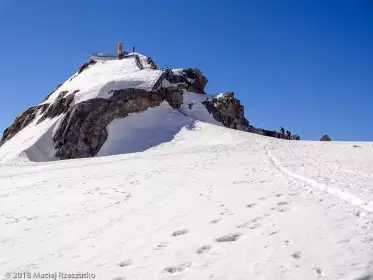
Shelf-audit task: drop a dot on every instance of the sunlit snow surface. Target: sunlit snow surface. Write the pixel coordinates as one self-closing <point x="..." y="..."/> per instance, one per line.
<point x="211" y="203"/>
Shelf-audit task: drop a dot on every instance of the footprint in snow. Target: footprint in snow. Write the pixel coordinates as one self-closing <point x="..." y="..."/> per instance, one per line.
<point x="256" y="219"/>
<point x="250" y="205"/>
<point x="243" y="225"/>
<point x="161" y="246"/>
<point x="282" y="203"/>
<point x="125" y="263"/>
<point x="175" y="269"/>
<point x="226" y="212"/>
<point x="368" y="276"/>
<point x="368" y="239"/>
<point x="280" y="209"/>
<point x="203" y="249"/>
<point x="241" y="182"/>
<point x="318" y="270"/>
<point x="229" y="237"/>
<point x="256" y="225"/>
<point x="296" y="255"/>
<point x="253" y="226"/>
<point x="215" y="221"/>
<point x="180" y="232"/>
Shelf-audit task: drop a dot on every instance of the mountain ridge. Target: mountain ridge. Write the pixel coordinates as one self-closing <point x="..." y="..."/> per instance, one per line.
<point x="104" y="90"/>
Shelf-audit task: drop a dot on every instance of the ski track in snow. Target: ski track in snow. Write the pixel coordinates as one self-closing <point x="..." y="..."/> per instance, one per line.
<point x="353" y="200"/>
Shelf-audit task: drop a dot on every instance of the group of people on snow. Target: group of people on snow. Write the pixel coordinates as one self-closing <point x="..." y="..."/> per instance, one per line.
<point x="287" y="135"/>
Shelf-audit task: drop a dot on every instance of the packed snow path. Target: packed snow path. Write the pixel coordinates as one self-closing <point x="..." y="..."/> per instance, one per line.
<point x="213" y="203"/>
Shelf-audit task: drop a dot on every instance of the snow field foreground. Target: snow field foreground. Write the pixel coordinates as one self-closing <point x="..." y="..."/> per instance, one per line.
<point x="210" y="203"/>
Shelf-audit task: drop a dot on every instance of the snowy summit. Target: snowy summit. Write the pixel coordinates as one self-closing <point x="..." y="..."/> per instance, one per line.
<point x="94" y="112"/>
<point x="127" y="171"/>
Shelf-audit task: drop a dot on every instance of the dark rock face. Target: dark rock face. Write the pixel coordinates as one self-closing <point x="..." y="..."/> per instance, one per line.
<point x="229" y="111"/>
<point x="85" y="65"/>
<point x="22" y="121"/>
<point x="150" y="61"/>
<point x="57" y="87"/>
<point x="190" y="79"/>
<point x="82" y="131"/>
<point x="199" y="81"/>
<point x="174" y="96"/>
<point x="325" y="138"/>
<point x="60" y="106"/>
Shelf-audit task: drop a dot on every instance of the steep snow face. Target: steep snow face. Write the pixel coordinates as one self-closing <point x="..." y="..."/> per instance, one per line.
<point x="139" y="132"/>
<point x="212" y="203"/>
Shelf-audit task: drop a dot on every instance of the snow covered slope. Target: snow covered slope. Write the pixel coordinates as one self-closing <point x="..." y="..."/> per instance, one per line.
<point x="211" y="203"/>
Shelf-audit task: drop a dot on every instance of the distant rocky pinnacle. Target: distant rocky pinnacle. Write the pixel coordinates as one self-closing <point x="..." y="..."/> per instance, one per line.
<point x="81" y="132"/>
<point x="325" y="138"/>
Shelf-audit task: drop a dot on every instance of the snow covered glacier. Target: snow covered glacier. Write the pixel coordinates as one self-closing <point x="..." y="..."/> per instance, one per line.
<point x="172" y="193"/>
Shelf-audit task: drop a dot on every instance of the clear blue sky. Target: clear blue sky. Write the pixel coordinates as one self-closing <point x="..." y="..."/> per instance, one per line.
<point x="306" y="65"/>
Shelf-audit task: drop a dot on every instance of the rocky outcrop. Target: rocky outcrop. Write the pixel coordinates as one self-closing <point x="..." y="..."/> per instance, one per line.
<point x="198" y="82"/>
<point x="85" y="65"/>
<point x="228" y="110"/>
<point x="174" y="96"/>
<point x="190" y="79"/>
<point x="150" y="61"/>
<point x="57" y="87"/>
<point x="325" y="138"/>
<point x="60" y="106"/>
<point x="82" y="131"/>
<point x="22" y="121"/>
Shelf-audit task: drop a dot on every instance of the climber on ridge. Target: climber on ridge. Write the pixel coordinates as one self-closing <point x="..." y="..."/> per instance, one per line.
<point x="288" y="135"/>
